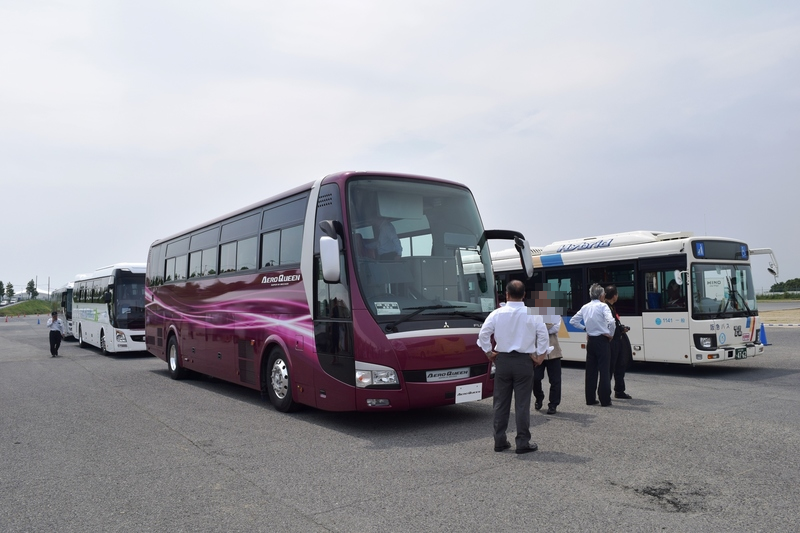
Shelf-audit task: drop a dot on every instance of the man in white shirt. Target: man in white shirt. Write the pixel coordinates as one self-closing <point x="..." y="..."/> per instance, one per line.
<point x="520" y="342"/>
<point x="56" y="328"/>
<point x="386" y="244"/>
<point x="599" y="325"/>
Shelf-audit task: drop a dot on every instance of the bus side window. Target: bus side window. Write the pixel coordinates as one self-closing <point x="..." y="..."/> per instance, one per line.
<point x="663" y="292"/>
<point x="568" y="290"/>
<point x="653" y="285"/>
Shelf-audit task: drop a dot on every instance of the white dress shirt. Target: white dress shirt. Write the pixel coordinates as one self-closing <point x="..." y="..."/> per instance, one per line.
<point x="514" y="330"/>
<point x="55" y="325"/>
<point x="554" y="321"/>
<point x="597" y="319"/>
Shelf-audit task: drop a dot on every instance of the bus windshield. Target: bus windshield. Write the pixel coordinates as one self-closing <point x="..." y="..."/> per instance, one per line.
<point x="416" y="250"/>
<point x="722" y="290"/>
<point x="128" y="301"/>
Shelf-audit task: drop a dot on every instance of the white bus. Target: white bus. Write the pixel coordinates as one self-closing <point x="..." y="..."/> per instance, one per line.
<point x="62" y="298"/>
<point x="108" y="308"/>
<point x="686" y="299"/>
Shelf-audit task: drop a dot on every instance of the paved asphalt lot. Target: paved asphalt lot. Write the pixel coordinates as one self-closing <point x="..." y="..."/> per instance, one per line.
<point x="93" y="443"/>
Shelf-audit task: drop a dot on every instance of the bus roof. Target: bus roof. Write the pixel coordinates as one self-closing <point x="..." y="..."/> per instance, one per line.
<point x="628" y="245"/>
<point x="135" y="268"/>
<point x="614" y="240"/>
<point x="337" y="176"/>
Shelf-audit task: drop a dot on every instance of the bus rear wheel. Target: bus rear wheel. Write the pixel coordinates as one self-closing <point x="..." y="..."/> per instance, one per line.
<point x="176" y="371"/>
<point x="278" y="382"/>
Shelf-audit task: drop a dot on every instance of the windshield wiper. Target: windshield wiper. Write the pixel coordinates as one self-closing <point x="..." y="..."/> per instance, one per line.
<point x="417" y="310"/>
<point x="732" y="290"/>
<point x="469" y="314"/>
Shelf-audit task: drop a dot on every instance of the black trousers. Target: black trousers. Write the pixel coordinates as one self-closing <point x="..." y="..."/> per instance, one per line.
<point x="618" y="364"/>
<point x="598" y="364"/>
<point x="553" y="367"/>
<point x="513" y="377"/>
<point x="55" y="342"/>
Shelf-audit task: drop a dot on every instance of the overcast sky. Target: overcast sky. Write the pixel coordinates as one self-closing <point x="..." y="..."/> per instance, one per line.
<point x="122" y="122"/>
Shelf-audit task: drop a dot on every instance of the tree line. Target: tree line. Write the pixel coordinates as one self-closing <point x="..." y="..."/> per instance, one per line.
<point x="785" y="286"/>
<point x="7" y="290"/>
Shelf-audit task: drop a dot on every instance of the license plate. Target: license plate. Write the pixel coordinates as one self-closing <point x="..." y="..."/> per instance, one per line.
<point x="741" y="353"/>
<point x="469" y="393"/>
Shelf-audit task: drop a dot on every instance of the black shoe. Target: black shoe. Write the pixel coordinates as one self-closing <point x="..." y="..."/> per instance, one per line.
<point x="593" y="402"/>
<point x="623" y="396"/>
<point x="532" y="447"/>
<point x="537" y="405"/>
<point x="502" y="447"/>
<point x="605" y="404"/>
<point x="551" y="410"/>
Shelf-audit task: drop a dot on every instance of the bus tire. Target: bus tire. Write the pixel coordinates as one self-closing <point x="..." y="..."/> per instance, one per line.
<point x="278" y="382"/>
<point x="103" y="347"/>
<point x="80" y="337"/>
<point x="176" y="371"/>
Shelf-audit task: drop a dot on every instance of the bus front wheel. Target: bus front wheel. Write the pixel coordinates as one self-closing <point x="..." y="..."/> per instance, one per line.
<point x="103" y="347"/>
<point x="80" y="338"/>
<point x="176" y="371"/>
<point x="278" y="382"/>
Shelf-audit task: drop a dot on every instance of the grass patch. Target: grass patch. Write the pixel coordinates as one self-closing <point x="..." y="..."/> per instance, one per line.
<point x="27" y="307"/>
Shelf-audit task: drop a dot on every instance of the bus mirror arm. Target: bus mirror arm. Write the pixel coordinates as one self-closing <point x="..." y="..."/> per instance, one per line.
<point x="773" y="263"/>
<point x="520" y="243"/>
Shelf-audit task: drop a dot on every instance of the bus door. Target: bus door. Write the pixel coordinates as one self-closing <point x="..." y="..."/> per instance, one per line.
<point x="665" y="317"/>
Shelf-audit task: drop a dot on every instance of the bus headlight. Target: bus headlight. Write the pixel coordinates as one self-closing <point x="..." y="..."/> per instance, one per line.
<point x="369" y="375"/>
<point x="120" y="336"/>
<point x="705" y="342"/>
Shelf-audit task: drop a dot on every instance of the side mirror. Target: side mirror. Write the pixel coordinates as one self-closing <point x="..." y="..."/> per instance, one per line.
<point x="107" y="297"/>
<point x="678" y="277"/>
<point x="329" y="258"/>
<point x="524" y="250"/>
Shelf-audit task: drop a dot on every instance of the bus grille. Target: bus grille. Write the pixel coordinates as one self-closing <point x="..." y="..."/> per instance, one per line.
<point x="418" y="376"/>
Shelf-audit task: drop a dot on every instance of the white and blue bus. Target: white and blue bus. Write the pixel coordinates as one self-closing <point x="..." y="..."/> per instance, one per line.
<point x="686" y="299"/>
<point x="62" y="299"/>
<point x="108" y="308"/>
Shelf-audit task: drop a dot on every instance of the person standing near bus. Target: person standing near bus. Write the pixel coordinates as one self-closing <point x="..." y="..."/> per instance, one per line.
<point x="520" y="343"/>
<point x="552" y="361"/>
<point x="618" y="359"/>
<point x="595" y="317"/>
<point x="56" y="328"/>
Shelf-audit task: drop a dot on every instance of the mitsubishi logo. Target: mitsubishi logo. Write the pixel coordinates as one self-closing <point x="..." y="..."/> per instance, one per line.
<point x="445" y="325"/>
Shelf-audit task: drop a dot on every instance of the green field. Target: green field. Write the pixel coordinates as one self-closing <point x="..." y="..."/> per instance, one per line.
<point x="28" y="307"/>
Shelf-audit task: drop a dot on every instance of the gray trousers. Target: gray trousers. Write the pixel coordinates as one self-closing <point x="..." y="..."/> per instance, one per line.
<point x="513" y="375"/>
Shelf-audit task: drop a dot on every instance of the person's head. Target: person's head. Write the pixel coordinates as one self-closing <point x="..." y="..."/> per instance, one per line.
<point x="611" y="294"/>
<point x="596" y="291"/>
<point x="542" y="298"/>
<point x="515" y="291"/>
<point x="673" y="289"/>
<point x="54" y="314"/>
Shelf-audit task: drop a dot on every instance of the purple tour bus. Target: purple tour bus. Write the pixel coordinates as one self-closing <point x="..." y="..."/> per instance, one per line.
<point x="360" y="291"/>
